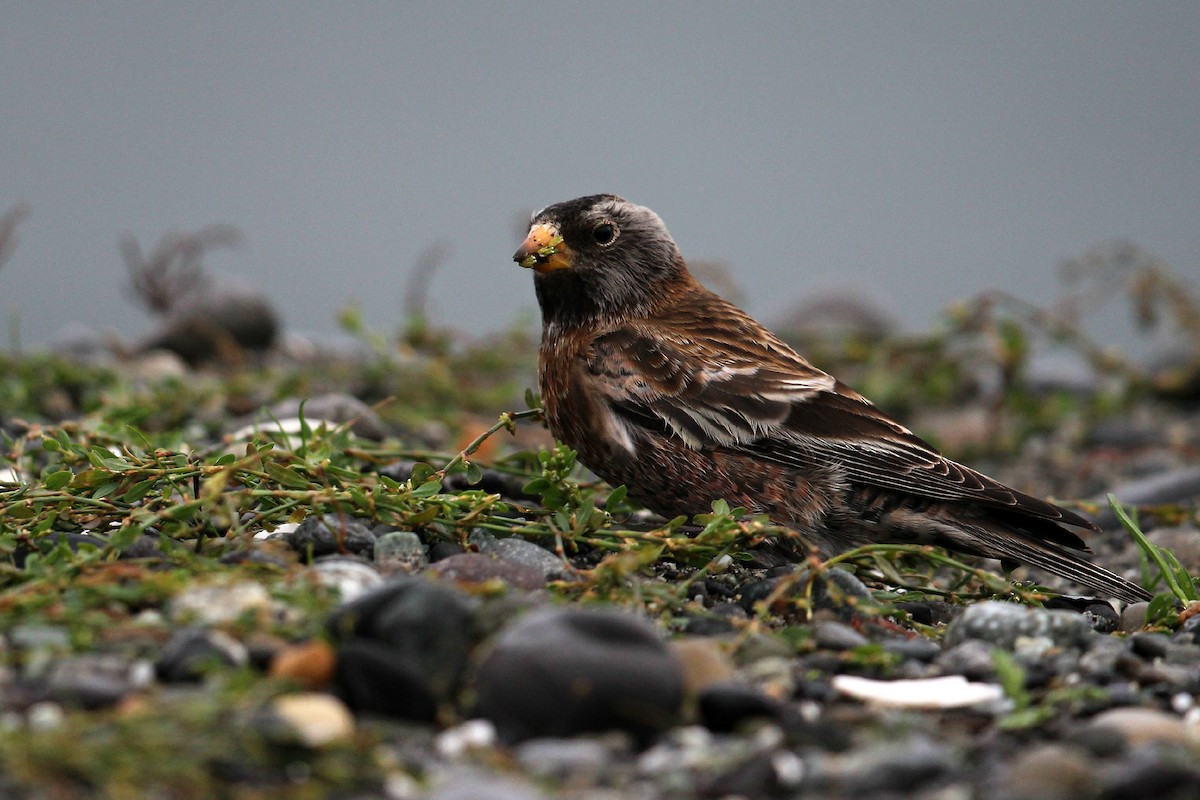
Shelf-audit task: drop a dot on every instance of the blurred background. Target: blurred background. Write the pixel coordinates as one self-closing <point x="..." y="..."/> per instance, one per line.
<point x="905" y="155"/>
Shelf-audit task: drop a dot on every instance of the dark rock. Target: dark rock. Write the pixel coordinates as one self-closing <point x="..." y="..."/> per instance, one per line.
<point x="403" y="647"/>
<point x="1099" y="614"/>
<point x="45" y="544"/>
<point x="724" y="707"/>
<point x="220" y="323"/>
<point x="1150" y="645"/>
<point x="707" y="624"/>
<point x="915" y="649"/>
<point x="930" y="612"/>
<point x="326" y="534"/>
<point x="972" y="658"/>
<point x="481" y="568"/>
<point x="191" y="653"/>
<point x="1002" y="624"/>
<point x="441" y="550"/>
<point x="1150" y="778"/>
<point x="831" y="635"/>
<point x="372" y="676"/>
<point x="895" y="767"/>
<point x="557" y="672"/>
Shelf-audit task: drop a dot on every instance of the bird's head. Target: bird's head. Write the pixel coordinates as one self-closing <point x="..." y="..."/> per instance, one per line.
<point x="598" y="256"/>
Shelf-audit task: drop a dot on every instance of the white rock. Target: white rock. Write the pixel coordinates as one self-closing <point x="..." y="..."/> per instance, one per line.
<point x="951" y="691"/>
<point x="315" y="717"/>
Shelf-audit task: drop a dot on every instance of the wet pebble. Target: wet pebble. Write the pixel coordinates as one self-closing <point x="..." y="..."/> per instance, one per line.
<point x="557" y="672"/>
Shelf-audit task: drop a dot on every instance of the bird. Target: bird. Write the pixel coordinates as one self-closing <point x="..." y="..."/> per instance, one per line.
<point x="663" y="386"/>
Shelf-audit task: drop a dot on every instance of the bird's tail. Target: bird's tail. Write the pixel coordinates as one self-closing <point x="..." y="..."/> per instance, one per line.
<point x="1021" y="540"/>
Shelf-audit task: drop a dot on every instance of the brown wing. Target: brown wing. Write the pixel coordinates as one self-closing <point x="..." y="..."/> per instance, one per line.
<point x="736" y="386"/>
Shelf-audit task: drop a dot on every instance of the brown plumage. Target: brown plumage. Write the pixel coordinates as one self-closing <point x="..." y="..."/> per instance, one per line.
<point x="663" y="386"/>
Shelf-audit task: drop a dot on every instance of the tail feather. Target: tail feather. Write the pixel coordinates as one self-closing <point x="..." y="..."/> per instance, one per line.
<point x="1008" y="539"/>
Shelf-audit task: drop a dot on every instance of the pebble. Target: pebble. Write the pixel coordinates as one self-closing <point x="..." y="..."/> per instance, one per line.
<point x="94" y="680"/>
<point x="326" y="534"/>
<point x="584" y="761"/>
<point x="350" y="577"/>
<point x="950" y="691"/>
<point x="519" y="551"/>
<point x="1050" y="772"/>
<point x="479" y="568"/>
<point x="897" y="766"/>
<point x="310" y="664"/>
<point x="311" y="719"/>
<point x="972" y="659"/>
<point x="704" y="663"/>
<point x="562" y="671"/>
<point x="399" y="551"/>
<point x="220" y="603"/>
<point x="831" y="635"/>
<point x="725" y="707"/>
<point x="402" y="648"/>
<point x="1002" y="624"/>
<point x="1133" y="617"/>
<point x="1141" y="726"/>
<point x="193" y="652"/>
<point x="1172" y="486"/>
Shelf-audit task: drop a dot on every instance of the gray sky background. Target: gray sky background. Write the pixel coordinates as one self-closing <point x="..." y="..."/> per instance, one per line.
<point x="918" y="152"/>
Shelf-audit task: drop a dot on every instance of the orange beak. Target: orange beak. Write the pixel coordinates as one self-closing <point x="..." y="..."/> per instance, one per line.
<point x="543" y="250"/>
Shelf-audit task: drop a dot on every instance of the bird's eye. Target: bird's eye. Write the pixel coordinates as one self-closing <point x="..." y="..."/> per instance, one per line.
<point x="605" y="233"/>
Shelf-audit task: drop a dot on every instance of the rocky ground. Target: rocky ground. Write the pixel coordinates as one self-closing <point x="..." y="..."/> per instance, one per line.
<point x="207" y="589"/>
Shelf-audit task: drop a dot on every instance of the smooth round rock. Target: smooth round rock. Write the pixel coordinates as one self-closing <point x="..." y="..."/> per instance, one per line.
<point x="403" y="647"/>
<point x="558" y="672"/>
<point x="1141" y="726"/>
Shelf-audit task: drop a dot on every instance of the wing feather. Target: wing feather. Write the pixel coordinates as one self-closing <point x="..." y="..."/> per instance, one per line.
<point x="762" y="398"/>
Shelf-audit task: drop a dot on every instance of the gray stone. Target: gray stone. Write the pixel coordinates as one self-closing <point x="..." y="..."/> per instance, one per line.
<point x="400" y="551"/>
<point x="1002" y="624"/>
<point x="831" y="635"/>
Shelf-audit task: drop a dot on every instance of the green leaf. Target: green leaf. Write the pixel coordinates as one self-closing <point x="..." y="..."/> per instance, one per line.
<point x="105" y="490"/>
<point x="139" y="490"/>
<point x="615" y="497"/>
<point x="286" y="476"/>
<point x="474" y="473"/>
<point x="427" y="489"/>
<point x="57" y="480"/>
